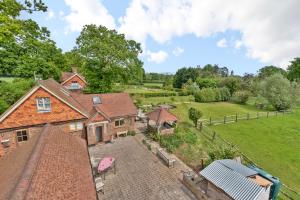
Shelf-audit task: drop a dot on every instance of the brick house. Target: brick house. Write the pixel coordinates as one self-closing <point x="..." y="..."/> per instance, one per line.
<point x="73" y="80"/>
<point x="94" y="117"/>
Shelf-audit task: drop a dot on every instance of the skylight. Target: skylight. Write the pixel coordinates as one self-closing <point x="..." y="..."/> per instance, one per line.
<point x="96" y="100"/>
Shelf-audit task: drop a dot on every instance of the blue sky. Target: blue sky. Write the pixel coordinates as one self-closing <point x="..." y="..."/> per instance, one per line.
<point x="177" y="33"/>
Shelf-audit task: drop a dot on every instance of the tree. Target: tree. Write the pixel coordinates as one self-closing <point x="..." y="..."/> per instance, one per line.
<point x="195" y="115"/>
<point x="25" y="48"/>
<point x="206" y="82"/>
<point x="294" y="70"/>
<point x="108" y="58"/>
<point x="190" y="87"/>
<point x="278" y="91"/>
<point x="232" y="83"/>
<point x="269" y="71"/>
<point x="184" y="74"/>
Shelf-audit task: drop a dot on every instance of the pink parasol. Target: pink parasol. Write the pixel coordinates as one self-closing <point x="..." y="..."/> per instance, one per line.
<point x="105" y="163"/>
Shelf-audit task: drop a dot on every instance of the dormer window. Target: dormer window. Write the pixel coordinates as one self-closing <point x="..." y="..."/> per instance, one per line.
<point x="43" y="104"/>
<point x="96" y="100"/>
<point x="74" y="85"/>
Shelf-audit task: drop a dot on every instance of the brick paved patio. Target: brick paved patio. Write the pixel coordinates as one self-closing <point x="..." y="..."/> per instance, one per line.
<point x="140" y="174"/>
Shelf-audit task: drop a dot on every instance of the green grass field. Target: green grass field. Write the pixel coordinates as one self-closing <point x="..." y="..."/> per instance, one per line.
<point x="214" y="110"/>
<point x="164" y="100"/>
<point x="273" y="143"/>
<point x="7" y="79"/>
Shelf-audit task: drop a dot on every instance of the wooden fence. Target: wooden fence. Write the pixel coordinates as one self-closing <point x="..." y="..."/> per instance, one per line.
<point x="238" y="117"/>
<point x="286" y="193"/>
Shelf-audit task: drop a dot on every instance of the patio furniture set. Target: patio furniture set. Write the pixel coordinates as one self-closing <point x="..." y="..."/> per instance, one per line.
<point x="107" y="163"/>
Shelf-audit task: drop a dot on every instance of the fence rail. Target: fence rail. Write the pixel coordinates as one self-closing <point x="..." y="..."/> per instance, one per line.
<point x="286" y="193"/>
<point x="238" y="117"/>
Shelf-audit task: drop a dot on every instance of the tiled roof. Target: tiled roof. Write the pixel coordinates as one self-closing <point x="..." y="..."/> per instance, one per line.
<point x="232" y="182"/>
<point x="62" y="93"/>
<point x="161" y="115"/>
<point x="59" y="168"/>
<point x="13" y="164"/>
<point x="66" y="75"/>
<point x="112" y="104"/>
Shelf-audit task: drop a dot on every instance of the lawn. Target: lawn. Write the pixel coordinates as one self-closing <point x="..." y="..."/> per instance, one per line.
<point x="7" y="79"/>
<point x="168" y="100"/>
<point x="214" y="110"/>
<point x="273" y="143"/>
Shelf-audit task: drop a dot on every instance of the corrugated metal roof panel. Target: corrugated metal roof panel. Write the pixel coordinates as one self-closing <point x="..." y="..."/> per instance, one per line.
<point x="231" y="182"/>
<point x="235" y="166"/>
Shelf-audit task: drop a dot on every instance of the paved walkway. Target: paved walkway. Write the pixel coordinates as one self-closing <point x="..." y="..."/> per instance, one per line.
<point x="140" y="174"/>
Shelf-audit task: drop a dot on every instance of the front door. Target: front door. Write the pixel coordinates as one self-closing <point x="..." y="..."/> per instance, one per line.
<point x="99" y="134"/>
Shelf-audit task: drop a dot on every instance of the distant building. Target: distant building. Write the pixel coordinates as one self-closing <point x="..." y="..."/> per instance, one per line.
<point x="73" y="81"/>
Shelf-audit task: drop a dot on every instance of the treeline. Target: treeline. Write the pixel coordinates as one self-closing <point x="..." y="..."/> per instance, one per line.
<point x="272" y="86"/>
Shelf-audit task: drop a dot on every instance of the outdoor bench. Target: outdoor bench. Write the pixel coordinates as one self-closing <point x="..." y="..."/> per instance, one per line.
<point x="166" y="157"/>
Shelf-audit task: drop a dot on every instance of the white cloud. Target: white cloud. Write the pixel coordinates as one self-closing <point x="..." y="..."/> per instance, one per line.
<point x="177" y="51"/>
<point x="271" y="37"/>
<point x="50" y="14"/>
<point x="61" y="13"/>
<point x="238" y="44"/>
<point x="87" y="12"/>
<point x="222" y="43"/>
<point x="157" y="57"/>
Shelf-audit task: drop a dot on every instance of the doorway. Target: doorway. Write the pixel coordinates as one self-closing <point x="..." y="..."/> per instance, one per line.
<point x="99" y="131"/>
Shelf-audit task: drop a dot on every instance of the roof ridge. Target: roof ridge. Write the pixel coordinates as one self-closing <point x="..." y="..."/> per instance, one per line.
<point x="23" y="185"/>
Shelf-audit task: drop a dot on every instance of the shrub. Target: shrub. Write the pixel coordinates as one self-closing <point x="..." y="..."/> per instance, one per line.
<point x="132" y="133"/>
<point x="206" y="82"/>
<point x="240" y="97"/>
<point x="224" y="94"/>
<point x="171" y="142"/>
<point x="206" y="95"/>
<point x="195" y="115"/>
<point x="228" y="152"/>
<point x="190" y="138"/>
<point x="278" y="91"/>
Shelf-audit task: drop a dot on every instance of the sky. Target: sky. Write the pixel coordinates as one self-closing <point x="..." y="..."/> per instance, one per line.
<point x="242" y="35"/>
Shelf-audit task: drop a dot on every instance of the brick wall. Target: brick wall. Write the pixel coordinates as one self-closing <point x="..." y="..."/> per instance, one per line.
<point x="109" y="130"/>
<point x="12" y="137"/>
<point x="75" y="78"/>
<point x="26" y="114"/>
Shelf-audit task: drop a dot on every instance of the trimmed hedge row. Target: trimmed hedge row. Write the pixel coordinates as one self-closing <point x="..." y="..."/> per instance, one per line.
<point x="154" y="94"/>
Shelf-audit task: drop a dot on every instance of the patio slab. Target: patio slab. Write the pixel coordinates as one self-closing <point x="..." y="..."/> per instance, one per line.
<point x="140" y="175"/>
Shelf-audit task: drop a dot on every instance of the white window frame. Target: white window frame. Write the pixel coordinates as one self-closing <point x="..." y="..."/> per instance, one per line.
<point x="43" y="107"/>
<point x="119" y="122"/>
<point x="22" y="136"/>
<point x="76" y="126"/>
<point x="74" y="85"/>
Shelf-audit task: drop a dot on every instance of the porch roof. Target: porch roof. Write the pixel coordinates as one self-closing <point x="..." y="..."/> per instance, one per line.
<point x="161" y="115"/>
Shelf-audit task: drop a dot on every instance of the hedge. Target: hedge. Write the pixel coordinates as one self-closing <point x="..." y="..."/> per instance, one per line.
<point x="212" y="95"/>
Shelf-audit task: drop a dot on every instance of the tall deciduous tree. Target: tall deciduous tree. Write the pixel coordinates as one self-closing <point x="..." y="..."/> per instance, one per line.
<point x="294" y="70"/>
<point x="109" y="57"/>
<point x="269" y="71"/>
<point x="184" y="74"/>
<point x="25" y="48"/>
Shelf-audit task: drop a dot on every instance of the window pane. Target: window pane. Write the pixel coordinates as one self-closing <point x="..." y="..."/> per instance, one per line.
<point x="72" y="127"/>
<point x="122" y="122"/>
<point x="116" y="123"/>
<point x="25" y="138"/>
<point x="19" y="133"/>
<point x="79" y="126"/>
<point x="19" y="139"/>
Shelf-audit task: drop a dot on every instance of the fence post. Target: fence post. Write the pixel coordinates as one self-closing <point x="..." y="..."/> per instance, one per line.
<point x="236" y="117"/>
<point x="210" y="123"/>
<point x="214" y="136"/>
<point x="248" y="116"/>
<point x="201" y="126"/>
<point x="225" y="119"/>
<point x="268" y="114"/>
